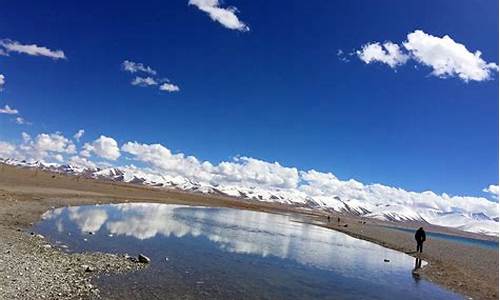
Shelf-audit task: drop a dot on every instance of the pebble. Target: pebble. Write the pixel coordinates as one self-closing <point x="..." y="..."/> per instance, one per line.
<point x="143" y="259"/>
<point x="52" y="274"/>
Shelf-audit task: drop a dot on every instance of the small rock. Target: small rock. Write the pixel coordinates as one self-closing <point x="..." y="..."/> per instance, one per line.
<point x="90" y="232"/>
<point x="47" y="246"/>
<point x="345" y="225"/>
<point x="143" y="259"/>
<point x="88" y="268"/>
<point x="40" y="236"/>
<point x="386" y="260"/>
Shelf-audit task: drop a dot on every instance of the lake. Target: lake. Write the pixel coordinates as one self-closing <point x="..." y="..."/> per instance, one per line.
<point x="222" y="253"/>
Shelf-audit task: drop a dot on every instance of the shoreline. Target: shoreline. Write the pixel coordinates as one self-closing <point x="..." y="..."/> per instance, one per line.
<point x="25" y="194"/>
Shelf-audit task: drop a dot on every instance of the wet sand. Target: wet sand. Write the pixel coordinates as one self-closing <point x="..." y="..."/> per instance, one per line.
<point x="25" y="194"/>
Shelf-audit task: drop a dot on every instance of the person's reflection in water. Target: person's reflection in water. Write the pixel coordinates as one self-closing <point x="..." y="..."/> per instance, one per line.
<point x="418" y="263"/>
<point x="415" y="272"/>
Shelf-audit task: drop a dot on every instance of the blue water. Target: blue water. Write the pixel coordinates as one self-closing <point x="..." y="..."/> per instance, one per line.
<point x="220" y="253"/>
<point x="459" y="239"/>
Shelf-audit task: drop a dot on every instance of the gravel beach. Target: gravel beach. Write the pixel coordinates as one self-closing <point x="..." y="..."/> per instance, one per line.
<point x="31" y="268"/>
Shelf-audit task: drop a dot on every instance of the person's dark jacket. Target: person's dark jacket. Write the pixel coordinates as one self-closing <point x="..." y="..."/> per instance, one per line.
<point x="420" y="235"/>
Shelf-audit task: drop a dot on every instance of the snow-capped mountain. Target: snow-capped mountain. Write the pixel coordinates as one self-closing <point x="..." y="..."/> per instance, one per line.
<point x="396" y="209"/>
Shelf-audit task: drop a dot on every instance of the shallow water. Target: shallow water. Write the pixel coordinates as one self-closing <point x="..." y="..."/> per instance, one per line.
<point x="221" y="253"/>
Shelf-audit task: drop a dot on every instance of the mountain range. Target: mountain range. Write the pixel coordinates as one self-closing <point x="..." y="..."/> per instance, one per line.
<point x="395" y="209"/>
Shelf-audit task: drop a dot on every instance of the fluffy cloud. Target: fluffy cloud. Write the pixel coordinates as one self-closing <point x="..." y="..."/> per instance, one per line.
<point x="448" y="58"/>
<point x="81" y="162"/>
<point x="104" y="147"/>
<point x="388" y="53"/>
<point x="225" y="16"/>
<point x="2" y="81"/>
<point x="45" y="147"/>
<point x="493" y="190"/>
<point x="134" y="67"/>
<point x="8" y="110"/>
<point x="242" y="171"/>
<point x="163" y="160"/>
<point x="21" y="121"/>
<point x="34" y="50"/>
<point x="54" y="142"/>
<point x="8" y="150"/>
<point x="376" y="197"/>
<point x="144" y="81"/>
<point x="12" y="111"/>
<point x="254" y="172"/>
<point x="443" y="55"/>
<point x="78" y="135"/>
<point x="169" y="87"/>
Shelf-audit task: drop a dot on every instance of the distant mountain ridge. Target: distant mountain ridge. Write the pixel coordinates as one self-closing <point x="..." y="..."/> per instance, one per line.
<point x="478" y="222"/>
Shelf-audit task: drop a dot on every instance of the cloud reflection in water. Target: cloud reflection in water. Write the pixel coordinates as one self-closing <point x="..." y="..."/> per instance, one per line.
<point x="236" y="231"/>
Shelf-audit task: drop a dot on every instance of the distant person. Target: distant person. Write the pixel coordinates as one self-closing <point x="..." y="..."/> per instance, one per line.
<point x="420" y="238"/>
<point x="328" y="219"/>
<point x="338" y="220"/>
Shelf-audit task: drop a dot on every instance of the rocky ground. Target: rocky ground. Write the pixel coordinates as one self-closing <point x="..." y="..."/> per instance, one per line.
<point x="31" y="268"/>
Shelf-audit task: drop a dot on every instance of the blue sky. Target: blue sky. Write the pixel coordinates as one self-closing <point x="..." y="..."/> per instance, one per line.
<point x="278" y="92"/>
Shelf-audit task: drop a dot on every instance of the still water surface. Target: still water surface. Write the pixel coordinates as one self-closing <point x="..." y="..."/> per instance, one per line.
<point x="221" y="253"/>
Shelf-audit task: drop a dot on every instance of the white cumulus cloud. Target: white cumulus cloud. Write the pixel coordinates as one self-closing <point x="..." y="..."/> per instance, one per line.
<point x="81" y="162"/>
<point x="134" y="67"/>
<point x="148" y="81"/>
<point x="54" y="142"/>
<point x="32" y="49"/>
<point x="79" y="134"/>
<point x="105" y="147"/>
<point x="387" y="53"/>
<point x="144" y="81"/>
<point x="20" y="121"/>
<point x="8" y="110"/>
<point x="225" y="16"/>
<point x="169" y="87"/>
<point x="445" y="56"/>
<point x="8" y="150"/>
<point x="242" y="171"/>
<point x="44" y="147"/>
<point x="448" y="58"/>
<point x="2" y="81"/>
<point x="493" y="190"/>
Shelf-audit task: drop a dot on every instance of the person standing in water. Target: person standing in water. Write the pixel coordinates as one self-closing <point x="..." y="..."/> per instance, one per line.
<point x="420" y="238"/>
